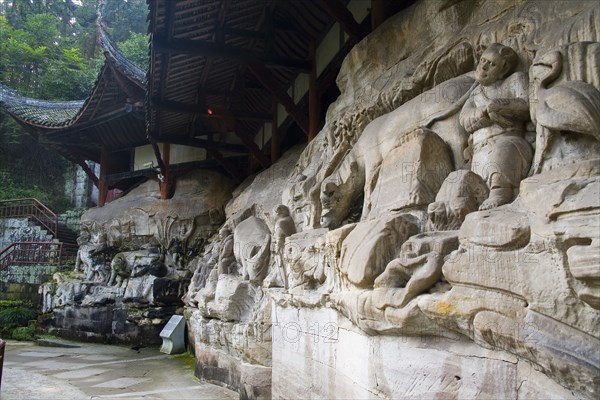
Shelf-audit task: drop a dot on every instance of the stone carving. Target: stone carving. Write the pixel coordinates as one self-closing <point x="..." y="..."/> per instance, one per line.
<point x="252" y="248"/>
<point x="495" y="115"/>
<point x="205" y="275"/>
<point x="459" y="257"/>
<point x="567" y="109"/>
<point x="136" y="255"/>
<point x="90" y="255"/>
<point x="305" y="254"/>
<point x="370" y="245"/>
<point x="284" y="227"/>
<point x="419" y="266"/>
<point x="226" y="260"/>
<point x="462" y="192"/>
<point x="583" y="265"/>
<point x="409" y="247"/>
<point x="366" y="170"/>
<point x="176" y="234"/>
<point x="131" y="264"/>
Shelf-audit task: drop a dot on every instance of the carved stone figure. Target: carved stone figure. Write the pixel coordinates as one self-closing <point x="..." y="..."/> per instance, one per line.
<point x="381" y="158"/>
<point x="251" y="249"/>
<point x="462" y="192"/>
<point x="131" y="264"/>
<point x="179" y="234"/>
<point x="419" y="266"/>
<point x="284" y="227"/>
<point x="495" y="115"/>
<point x="305" y="256"/>
<point x="204" y="267"/>
<point x="371" y="245"/>
<point x="226" y="260"/>
<point x="91" y="255"/>
<point x="567" y="112"/>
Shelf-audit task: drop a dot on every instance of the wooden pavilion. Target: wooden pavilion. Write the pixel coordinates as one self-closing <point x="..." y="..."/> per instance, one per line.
<point x="231" y="84"/>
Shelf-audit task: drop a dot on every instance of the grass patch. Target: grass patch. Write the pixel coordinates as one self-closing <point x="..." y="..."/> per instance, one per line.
<point x="188" y="359"/>
<point x="17" y="319"/>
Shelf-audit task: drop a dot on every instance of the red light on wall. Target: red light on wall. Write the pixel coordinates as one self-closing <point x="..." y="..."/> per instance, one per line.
<point x="209" y="111"/>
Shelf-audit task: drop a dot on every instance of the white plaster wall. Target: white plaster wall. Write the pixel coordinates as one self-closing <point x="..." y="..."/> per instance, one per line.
<point x="178" y="154"/>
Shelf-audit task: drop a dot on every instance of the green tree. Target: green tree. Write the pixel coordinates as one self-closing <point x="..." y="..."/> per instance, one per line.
<point x="136" y="49"/>
<point x="116" y="12"/>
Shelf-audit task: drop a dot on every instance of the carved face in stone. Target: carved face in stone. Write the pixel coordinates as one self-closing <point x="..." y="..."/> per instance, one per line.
<point x="491" y="68"/>
<point x="282" y="211"/>
<point x="329" y="201"/>
<point x="83" y="238"/>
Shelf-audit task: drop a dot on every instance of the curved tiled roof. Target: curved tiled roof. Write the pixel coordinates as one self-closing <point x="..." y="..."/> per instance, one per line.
<point x="117" y="59"/>
<point x="51" y="114"/>
<point x="61" y="114"/>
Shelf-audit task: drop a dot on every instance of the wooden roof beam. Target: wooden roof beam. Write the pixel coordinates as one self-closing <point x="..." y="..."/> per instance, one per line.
<point x="159" y="159"/>
<point x="264" y="161"/>
<point x="134" y="95"/>
<point x="205" y="144"/>
<point x="344" y="17"/>
<point x="199" y="109"/>
<point x="246" y="33"/>
<point x="208" y="49"/>
<point x="266" y="78"/>
<point x="79" y="160"/>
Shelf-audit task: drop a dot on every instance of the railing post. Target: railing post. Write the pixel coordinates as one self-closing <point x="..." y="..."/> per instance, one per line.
<point x="2" y="346"/>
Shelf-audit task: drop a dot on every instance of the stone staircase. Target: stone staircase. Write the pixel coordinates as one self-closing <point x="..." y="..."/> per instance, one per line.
<point x="29" y="229"/>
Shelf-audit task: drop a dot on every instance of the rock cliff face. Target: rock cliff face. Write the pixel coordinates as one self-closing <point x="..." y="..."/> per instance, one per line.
<point x="135" y="260"/>
<point x="439" y="238"/>
<point x="445" y="221"/>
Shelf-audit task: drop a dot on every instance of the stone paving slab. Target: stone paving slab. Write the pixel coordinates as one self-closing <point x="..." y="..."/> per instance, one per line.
<point x="92" y="371"/>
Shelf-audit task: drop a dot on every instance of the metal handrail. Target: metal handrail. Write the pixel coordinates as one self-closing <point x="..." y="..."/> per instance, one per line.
<point x="30" y="208"/>
<point x="32" y="253"/>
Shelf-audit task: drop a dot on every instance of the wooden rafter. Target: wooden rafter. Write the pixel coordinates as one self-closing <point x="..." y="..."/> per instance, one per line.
<point x="134" y="95"/>
<point x="201" y="110"/>
<point x="266" y="78"/>
<point x="167" y="35"/>
<point x="344" y="17"/>
<point x="255" y="151"/>
<point x="79" y="160"/>
<point x="205" y="144"/>
<point x="246" y="33"/>
<point x="208" y="49"/>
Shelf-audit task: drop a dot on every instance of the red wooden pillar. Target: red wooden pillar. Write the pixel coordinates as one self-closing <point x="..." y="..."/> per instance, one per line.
<point x="165" y="185"/>
<point x="313" y="97"/>
<point x="103" y="186"/>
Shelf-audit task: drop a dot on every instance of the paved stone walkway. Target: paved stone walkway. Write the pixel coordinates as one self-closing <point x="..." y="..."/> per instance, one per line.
<point x="93" y="371"/>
